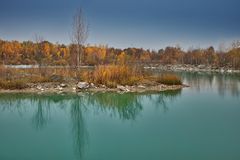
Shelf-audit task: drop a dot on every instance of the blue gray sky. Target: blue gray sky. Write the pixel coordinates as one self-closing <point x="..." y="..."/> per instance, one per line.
<point x="149" y="24"/>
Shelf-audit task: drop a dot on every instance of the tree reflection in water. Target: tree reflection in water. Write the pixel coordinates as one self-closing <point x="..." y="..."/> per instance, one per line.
<point x="224" y="83"/>
<point x="162" y="99"/>
<point x="125" y="106"/>
<point x="42" y="115"/>
<point x="79" y="130"/>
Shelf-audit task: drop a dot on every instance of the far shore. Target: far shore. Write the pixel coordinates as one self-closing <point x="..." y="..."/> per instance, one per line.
<point x="192" y="68"/>
<point x="166" y="67"/>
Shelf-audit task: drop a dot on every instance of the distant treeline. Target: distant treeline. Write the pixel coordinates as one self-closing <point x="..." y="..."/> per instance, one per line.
<point x="46" y="53"/>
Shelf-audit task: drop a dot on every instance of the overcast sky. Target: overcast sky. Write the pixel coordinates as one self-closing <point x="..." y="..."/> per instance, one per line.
<point x="150" y="24"/>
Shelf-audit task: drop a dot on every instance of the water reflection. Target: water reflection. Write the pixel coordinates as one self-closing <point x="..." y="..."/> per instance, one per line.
<point x="163" y="99"/>
<point x="223" y="83"/>
<point x="79" y="130"/>
<point x="123" y="106"/>
<point x="41" y="115"/>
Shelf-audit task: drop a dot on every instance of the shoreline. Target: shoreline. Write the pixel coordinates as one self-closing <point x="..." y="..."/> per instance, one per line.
<point x="72" y="89"/>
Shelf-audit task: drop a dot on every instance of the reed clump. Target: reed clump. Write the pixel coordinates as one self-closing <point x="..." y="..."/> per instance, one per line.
<point x="113" y="75"/>
<point x="169" y="79"/>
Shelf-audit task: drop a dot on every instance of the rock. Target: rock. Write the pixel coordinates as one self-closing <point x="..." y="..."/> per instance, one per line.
<point x="92" y="85"/>
<point x="102" y="86"/>
<point x="63" y="85"/>
<point x="141" y="86"/>
<point x="74" y="89"/>
<point x="40" y="88"/>
<point x="59" y="88"/>
<point x="83" y="85"/>
<point x="60" y="92"/>
<point x="201" y="66"/>
<point x="122" y="88"/>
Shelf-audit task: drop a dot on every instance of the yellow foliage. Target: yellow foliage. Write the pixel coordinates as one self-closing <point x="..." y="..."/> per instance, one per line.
<point x="121" y="59"/>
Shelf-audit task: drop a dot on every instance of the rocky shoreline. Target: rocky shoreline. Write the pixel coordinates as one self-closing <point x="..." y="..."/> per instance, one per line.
<point x="193" y="68"/>
<point x="90" y="87"/>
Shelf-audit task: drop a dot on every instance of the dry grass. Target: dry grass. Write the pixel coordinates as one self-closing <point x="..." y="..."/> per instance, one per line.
<point x="112" y="75"/>
<point x="169" y="79"/>
<point x="15" y="78"/>
<point x="13" y="84"/>
<point x="37" y="79"/>
<point x="36" y="74"/>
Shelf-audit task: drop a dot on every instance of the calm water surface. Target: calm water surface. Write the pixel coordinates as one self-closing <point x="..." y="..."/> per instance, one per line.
<point x="200" y="122"/>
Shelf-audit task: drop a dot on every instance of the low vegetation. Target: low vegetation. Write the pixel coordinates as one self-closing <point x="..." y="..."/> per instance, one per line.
<point x="13" y="84"/>
<point x="108" y="75"/>
<point x="113" y="75"/>
<point x="169" y="79"/>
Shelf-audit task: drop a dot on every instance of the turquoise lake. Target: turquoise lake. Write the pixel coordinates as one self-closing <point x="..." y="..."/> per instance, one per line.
<point x="201" y="122"/>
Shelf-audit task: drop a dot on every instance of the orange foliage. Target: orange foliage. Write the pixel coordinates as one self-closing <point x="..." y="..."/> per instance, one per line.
<point x="46" y="53"/>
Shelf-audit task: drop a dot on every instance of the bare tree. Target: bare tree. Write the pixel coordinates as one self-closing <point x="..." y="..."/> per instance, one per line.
<point x="79" y="34"/>
<point x="236" y="44"/>
<point x="38" y="53"/>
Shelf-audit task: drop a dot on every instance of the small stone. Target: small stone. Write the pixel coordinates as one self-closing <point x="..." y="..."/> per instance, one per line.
<point x="63" y="85"/>
<point x="92" y="85"/>
<point x="141" y="86"/>
<point x="59" y="88"/>
<point x="83" y="85"/>
<point x="39" y="88"/>
<point x="122" y="88"/>
<point x="102" y="86"/>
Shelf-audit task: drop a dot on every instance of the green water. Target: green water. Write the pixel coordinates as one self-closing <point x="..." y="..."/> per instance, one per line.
<point x="196" y="123"/>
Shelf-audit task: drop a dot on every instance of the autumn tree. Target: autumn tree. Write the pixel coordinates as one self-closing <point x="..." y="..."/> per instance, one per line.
<point x="145" y="57"/>
<point x="90" y="56"/>
<point x="172" y="55"/>
<point x="46" y="53"/>
<point x="122" y="58"/>
<point x="28" y="52"/>
<point x="211" y="57"/>
<point x="233" y="55"/>
<point x="1" y="52"/>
